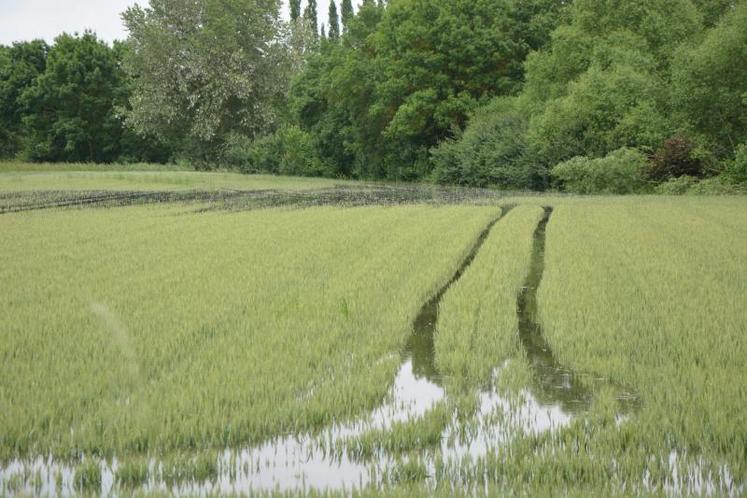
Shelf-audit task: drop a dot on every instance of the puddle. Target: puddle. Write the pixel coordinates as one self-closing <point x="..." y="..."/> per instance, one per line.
<point x="308" y="461"/>
<point x="312" y="461"/>
<point x="499" y="418"/>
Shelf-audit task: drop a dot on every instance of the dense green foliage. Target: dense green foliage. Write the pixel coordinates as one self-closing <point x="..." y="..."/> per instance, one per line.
<point x="469" y="92"/>
<point x="73" y="109"/>
<point x="65" y="103"/>
<point x="333" y="22"/>
<point x="311" y="15"/>
<point x="737" y="169"/>
<point x="406" y="93"/>
<point x="346" y="13"/>
<point x="20" y="65"/>
<point x="295" y="9"/>
<point x="648" y="76"/>
<point x="491" y="151"/>
<point x="619" y="172"/>
<point x="710" y="84"/>
<point x="288" y="151"/>
<point x="405" y="76"/>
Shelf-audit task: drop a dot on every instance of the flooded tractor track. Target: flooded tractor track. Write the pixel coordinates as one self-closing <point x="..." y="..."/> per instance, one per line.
<point x="554" y="382"/>
<point x="421" y="343"/>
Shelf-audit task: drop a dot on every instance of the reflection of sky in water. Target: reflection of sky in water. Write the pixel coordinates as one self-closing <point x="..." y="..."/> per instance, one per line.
<point x="306" y="462"/>
<point x="497" y="421"/>
<point x="412" y="396"/>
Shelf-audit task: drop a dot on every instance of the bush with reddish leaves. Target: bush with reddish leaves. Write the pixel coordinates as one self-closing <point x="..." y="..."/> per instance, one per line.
<point x="675" y="158"/>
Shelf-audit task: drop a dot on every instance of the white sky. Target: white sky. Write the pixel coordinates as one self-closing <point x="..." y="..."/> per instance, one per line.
<point x="30" y="19"/>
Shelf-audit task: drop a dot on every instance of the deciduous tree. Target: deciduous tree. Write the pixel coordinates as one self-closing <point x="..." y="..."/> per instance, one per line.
<point x="203" y="69"/>
<point x="334" y="21"/>
<point x="20" y="65"/>
<point x="295" y="9"/>
<point x="311" y="15"/>
<point x="347" y="13"/>
<point x="70" y="109"/>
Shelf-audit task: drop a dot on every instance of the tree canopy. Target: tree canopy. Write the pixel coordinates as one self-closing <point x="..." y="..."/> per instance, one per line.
<point x="520" y="94"/>
<point x="645" y="76"/>
<point x="405" y="77"/>
<point x="203" y="70"/>
<point x="20" y="65"/>
<point x="66" y="103"/>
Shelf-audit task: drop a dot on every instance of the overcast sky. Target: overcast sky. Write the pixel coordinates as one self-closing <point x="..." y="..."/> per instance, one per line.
<point x="29" y="19"/>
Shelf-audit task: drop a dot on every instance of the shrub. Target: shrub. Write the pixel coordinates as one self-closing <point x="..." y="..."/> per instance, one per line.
<point x="289" y="151"/>
<point x="603" y="110"/>
<point x="491" y="151"/>
<point x="676" y="186"/>
<point x="677" y="156"/>
<point x="620" y="172"/>
<point x="251" y="156"/>
<point x="298" y="155"/>
<point x="736" y="170"/>
<point x="718" y="185"/>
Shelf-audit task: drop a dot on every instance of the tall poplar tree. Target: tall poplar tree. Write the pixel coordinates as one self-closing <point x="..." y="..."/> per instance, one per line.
<point x="310" y="14"/>
<point x="346" y="9"/>
<point x="295" y="9"/>
<point x="334" y="21"/>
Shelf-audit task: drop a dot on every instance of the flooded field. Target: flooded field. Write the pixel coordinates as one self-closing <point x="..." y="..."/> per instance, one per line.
<point x="233" y="200"/>
<point x="368" y="340"/>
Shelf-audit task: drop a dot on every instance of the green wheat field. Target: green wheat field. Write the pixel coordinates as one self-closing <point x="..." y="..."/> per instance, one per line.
<point x="224" y="334"/>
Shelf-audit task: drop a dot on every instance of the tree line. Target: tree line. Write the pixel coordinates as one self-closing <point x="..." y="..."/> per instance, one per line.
<point x="587" y="95"/>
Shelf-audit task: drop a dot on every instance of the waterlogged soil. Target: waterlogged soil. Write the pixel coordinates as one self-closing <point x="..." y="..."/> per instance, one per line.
<point x="232" y="200"/>
<point x="13" y="202"/>
<point x="332" y="458"/>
